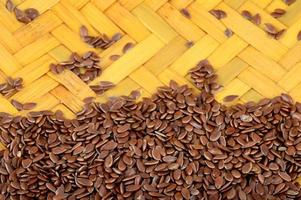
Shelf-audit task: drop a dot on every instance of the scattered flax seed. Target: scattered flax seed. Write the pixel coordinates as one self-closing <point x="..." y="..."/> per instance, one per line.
<point x="29" y="106"/>
<point x="256" y="19"/>
<point x="270" y="28"/>
<point x="21" y="16"/>
<point x="246" y="14"/>
<point x="230" y="98"/>
<point x="279" y="34"/>
<point x="10" y="6"/>
<point x="189" y="44"/>
<point x="278" y="12"/>
<point x="32" y="13"/>
<point x="86" y="66"/>
<point x="289" y="2"/>
<point x="127" y="47"/>
<point x="186" y="13"/>
<point x="102" y="87"/>
<point x="11" y="86"/>
<point x="228" y="32"/>
<point x="218" y="14"/>
<point x="101" y="42"/>
<point x="17" y="104"/>
<point x="299" y="36"/>
<point x="114" y="57"/>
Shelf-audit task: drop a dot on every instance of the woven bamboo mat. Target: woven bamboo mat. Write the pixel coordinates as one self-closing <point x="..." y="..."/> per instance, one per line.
<point x="249" y="64"/>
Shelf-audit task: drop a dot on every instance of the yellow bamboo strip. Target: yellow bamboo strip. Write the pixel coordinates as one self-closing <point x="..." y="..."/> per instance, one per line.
<point x="227" y="51"/>
<point x="166" y="56"/>
<point x="70" y="100"/>
<point x="262" y="63"/>
<point x="131" y="60"/>
<point x="36" y="89"/>
<point x="258" y="38"/>
<point x="127" y="21"/>
<point x="181" y="24"/>
<point x="36" y="49"/>
<point x="201" y="50"/>
<point x="154" y="23"/>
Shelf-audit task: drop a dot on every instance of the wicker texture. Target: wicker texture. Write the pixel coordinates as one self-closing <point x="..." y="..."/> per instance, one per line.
<point x="249" y="64"/>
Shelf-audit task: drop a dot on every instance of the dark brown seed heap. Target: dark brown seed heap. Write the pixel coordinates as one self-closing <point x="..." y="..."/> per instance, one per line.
<point x="11" y="86"/>
<point x="86" y="67"/>
<point x="24" y="16"/>
<point x="256" y="19"/>
<point x="278" y="12"/>
<point x="273" y="32"/>
<point x="102" y="87"/>
<point x="174" y="145"/>
<point x="101" y="41"/>
<point x="218" y="14"/>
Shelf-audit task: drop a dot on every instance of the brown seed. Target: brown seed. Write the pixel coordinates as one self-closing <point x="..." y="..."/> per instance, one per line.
<point x="156" y="153"/>
<point x="278" y="12"/>
<point x="279" y="34"/>
<point x="299" y="36"/>
<point x="242" y="195"/>
<point x="270" y="28"/>
<point x="284" y="176"/>
<point x="17" y="104"/>
<point x="26" y="163"/>
<point x="256" y="19"/>
<point x="127" y="47"/>
<point x="215" y="135"/>
<point x="29" y="106"/>
<point x="110" y="145"/>
<point x="246" y="14"/>
<point x="31" y="13"/>
<point x="59" y="150"/>
<point x="219" y="14"/>
<point x="116" y="37"/>
<point x="132" y="188"/>
<point x="247" y="168"/>
<point x="289" y="2"/>
<point x="228" y="32"/>
<point x="85" y="182"/>
<point x="21" y="16"/>
<point x="123" y="128"/>
<point x="114" y="57"/>
<point x="185" y="193"/>
<point x="236" y="173"/>
<point x="186" y="13"/>
<point x="219" y="182"/>
<point x="108" y="161"/>
<point x="10" y="6"/>
<point x="230" y="98"/>
<point x="189" y="44"/>
<point x="83" y="31"/>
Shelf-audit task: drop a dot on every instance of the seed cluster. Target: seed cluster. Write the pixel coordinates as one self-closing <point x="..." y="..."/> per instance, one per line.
<point x="102" y="41"/>
<point x="174" y="145"/>
<point x="24" y="16"/>
<point x="11" y="86"/>
<point x="86" y="67"/>
<point x="102" y="87"/>
<point x="256" y="19"/>
<point x="23" y="106"/>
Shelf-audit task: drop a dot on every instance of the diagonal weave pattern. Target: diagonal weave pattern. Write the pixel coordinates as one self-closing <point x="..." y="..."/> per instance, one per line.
<point x="249" y="64"/>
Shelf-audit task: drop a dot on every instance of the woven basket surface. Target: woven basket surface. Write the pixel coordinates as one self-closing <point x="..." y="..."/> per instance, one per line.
<point x="249" y="64"/>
